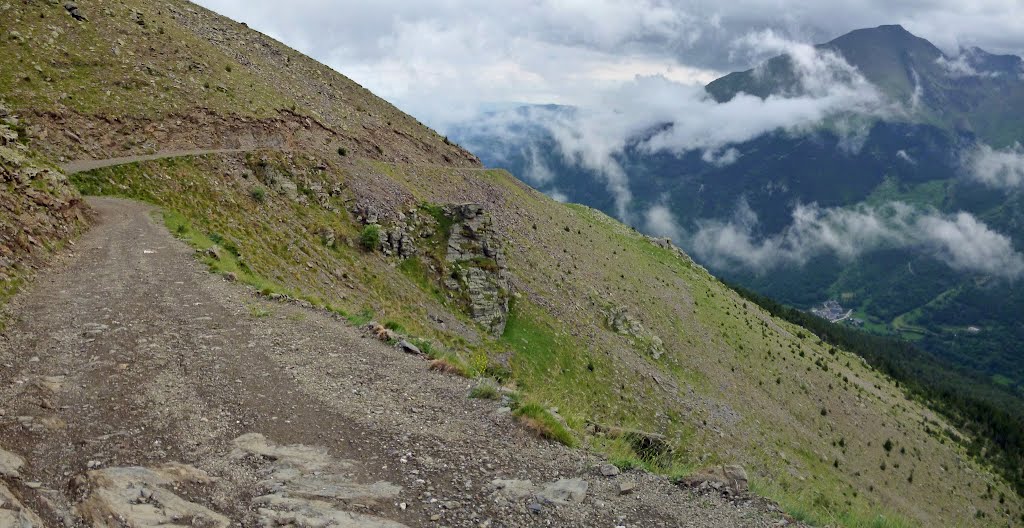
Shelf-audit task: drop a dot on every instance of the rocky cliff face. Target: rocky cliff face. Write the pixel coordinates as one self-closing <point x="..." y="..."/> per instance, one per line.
<point x="478" y="267"/>
<point x="39" y="210"/>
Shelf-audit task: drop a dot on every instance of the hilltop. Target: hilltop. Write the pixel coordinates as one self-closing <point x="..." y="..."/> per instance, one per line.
<point x="348" y="244"/>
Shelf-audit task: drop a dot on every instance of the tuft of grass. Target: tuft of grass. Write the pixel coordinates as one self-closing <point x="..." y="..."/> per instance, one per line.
<point x="259" y="194"/>
<point x="538" y="419"/>
<point x="485" y="390"/>
<point x="257" y="311"/>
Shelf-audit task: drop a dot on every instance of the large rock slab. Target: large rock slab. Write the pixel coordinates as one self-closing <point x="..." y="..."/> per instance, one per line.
<point x="562" y="491"/>
<point x="10" y="464"/>
<point x="306" y="486"/>
<point x="13" y="514"/>
<point x="141" y="497"/>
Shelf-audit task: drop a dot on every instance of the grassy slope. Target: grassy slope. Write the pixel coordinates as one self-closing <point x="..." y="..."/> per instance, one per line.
<point x="182" y="60"/>
<point x="734" y="385"/>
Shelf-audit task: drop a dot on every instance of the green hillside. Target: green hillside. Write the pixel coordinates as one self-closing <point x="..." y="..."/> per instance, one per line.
<point x="343" y="202"/>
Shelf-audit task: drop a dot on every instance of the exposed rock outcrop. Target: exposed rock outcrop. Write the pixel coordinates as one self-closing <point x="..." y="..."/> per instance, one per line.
<point x="479" y="270"/>
<point x="306" y="486"/>
<point x="38" y="207"/>
<point x="621" y="322"/>
<point x="475" y="270"/>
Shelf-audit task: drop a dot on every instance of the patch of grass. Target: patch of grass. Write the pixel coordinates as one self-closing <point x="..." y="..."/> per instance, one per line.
<point x="539" y="420"/>
<point x="395" y="326"/>
<point x="258" y="311"/>
<point x="827" y="507"/>
<point x="359" y="319"/>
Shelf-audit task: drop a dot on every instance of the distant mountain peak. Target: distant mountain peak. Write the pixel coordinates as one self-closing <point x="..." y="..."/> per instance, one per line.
<point x="969" y="91"/>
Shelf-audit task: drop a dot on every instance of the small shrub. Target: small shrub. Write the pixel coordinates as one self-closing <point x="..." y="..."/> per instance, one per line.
<point x="888" y="445"/>
<point x="370" y="237"/>
<point x="227" y="68"/>
<point x="259" y="194"/>
<point x="342" y="151"/>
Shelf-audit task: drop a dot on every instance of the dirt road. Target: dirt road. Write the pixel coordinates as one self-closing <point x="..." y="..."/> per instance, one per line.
<point x="72" y="167"/>
<point x="136" y="389"/>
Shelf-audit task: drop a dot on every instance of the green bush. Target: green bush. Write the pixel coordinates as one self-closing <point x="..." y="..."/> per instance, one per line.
<point x="370" y="237"/>
<point x="259" y="194"/>
<point x="342" y="151"/>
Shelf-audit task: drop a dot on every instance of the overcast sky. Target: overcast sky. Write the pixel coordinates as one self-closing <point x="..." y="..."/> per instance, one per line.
<point x="440" y="60"/>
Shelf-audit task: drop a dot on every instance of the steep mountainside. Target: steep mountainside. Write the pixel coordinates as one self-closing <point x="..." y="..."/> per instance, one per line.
<point x="589" y="332"/>
<point x="863" y="210"/>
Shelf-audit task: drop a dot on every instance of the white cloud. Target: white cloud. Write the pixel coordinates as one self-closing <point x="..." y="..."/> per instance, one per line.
<point x="961" y="241"/>
<point x="557" y="195"/>
<point x="996" y="168"/>
<point x="965" y="243"/>
<point x="902" y="154"/>
<point x="659" y="221"/>
<point x="960" y="66"/>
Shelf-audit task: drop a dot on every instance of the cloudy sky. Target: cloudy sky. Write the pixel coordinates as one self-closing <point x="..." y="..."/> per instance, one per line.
<point x="441" y="60"/>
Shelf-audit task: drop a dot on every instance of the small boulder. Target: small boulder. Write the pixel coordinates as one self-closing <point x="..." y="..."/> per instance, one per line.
<point x="408" y="347"/>
<point x="10" y="464"/>
<point x="608" y="470"/>
<point x="72" y="9"/>
<point x="625" y="488"/>
<point x="565" y="491"/>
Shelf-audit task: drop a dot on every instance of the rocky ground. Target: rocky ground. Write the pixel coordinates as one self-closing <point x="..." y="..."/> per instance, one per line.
<point x="138" y="390"/>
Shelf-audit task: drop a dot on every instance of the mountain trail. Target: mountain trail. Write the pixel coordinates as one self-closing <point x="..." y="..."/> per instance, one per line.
<point x="137" y="389"/>
<point x="84" y="165"/>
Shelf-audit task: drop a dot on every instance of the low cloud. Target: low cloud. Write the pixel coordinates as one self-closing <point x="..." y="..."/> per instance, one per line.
<point x="1002" y="169"/>
<point x="659" y="221"/>
<point x="961" y="241"/>
<point x="668" y="116"/>
<point x="961" y="66"/>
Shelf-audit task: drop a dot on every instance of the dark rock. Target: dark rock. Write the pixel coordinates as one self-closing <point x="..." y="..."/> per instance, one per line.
<point x="408" y="347"/>
<point x="72" y="9"/>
